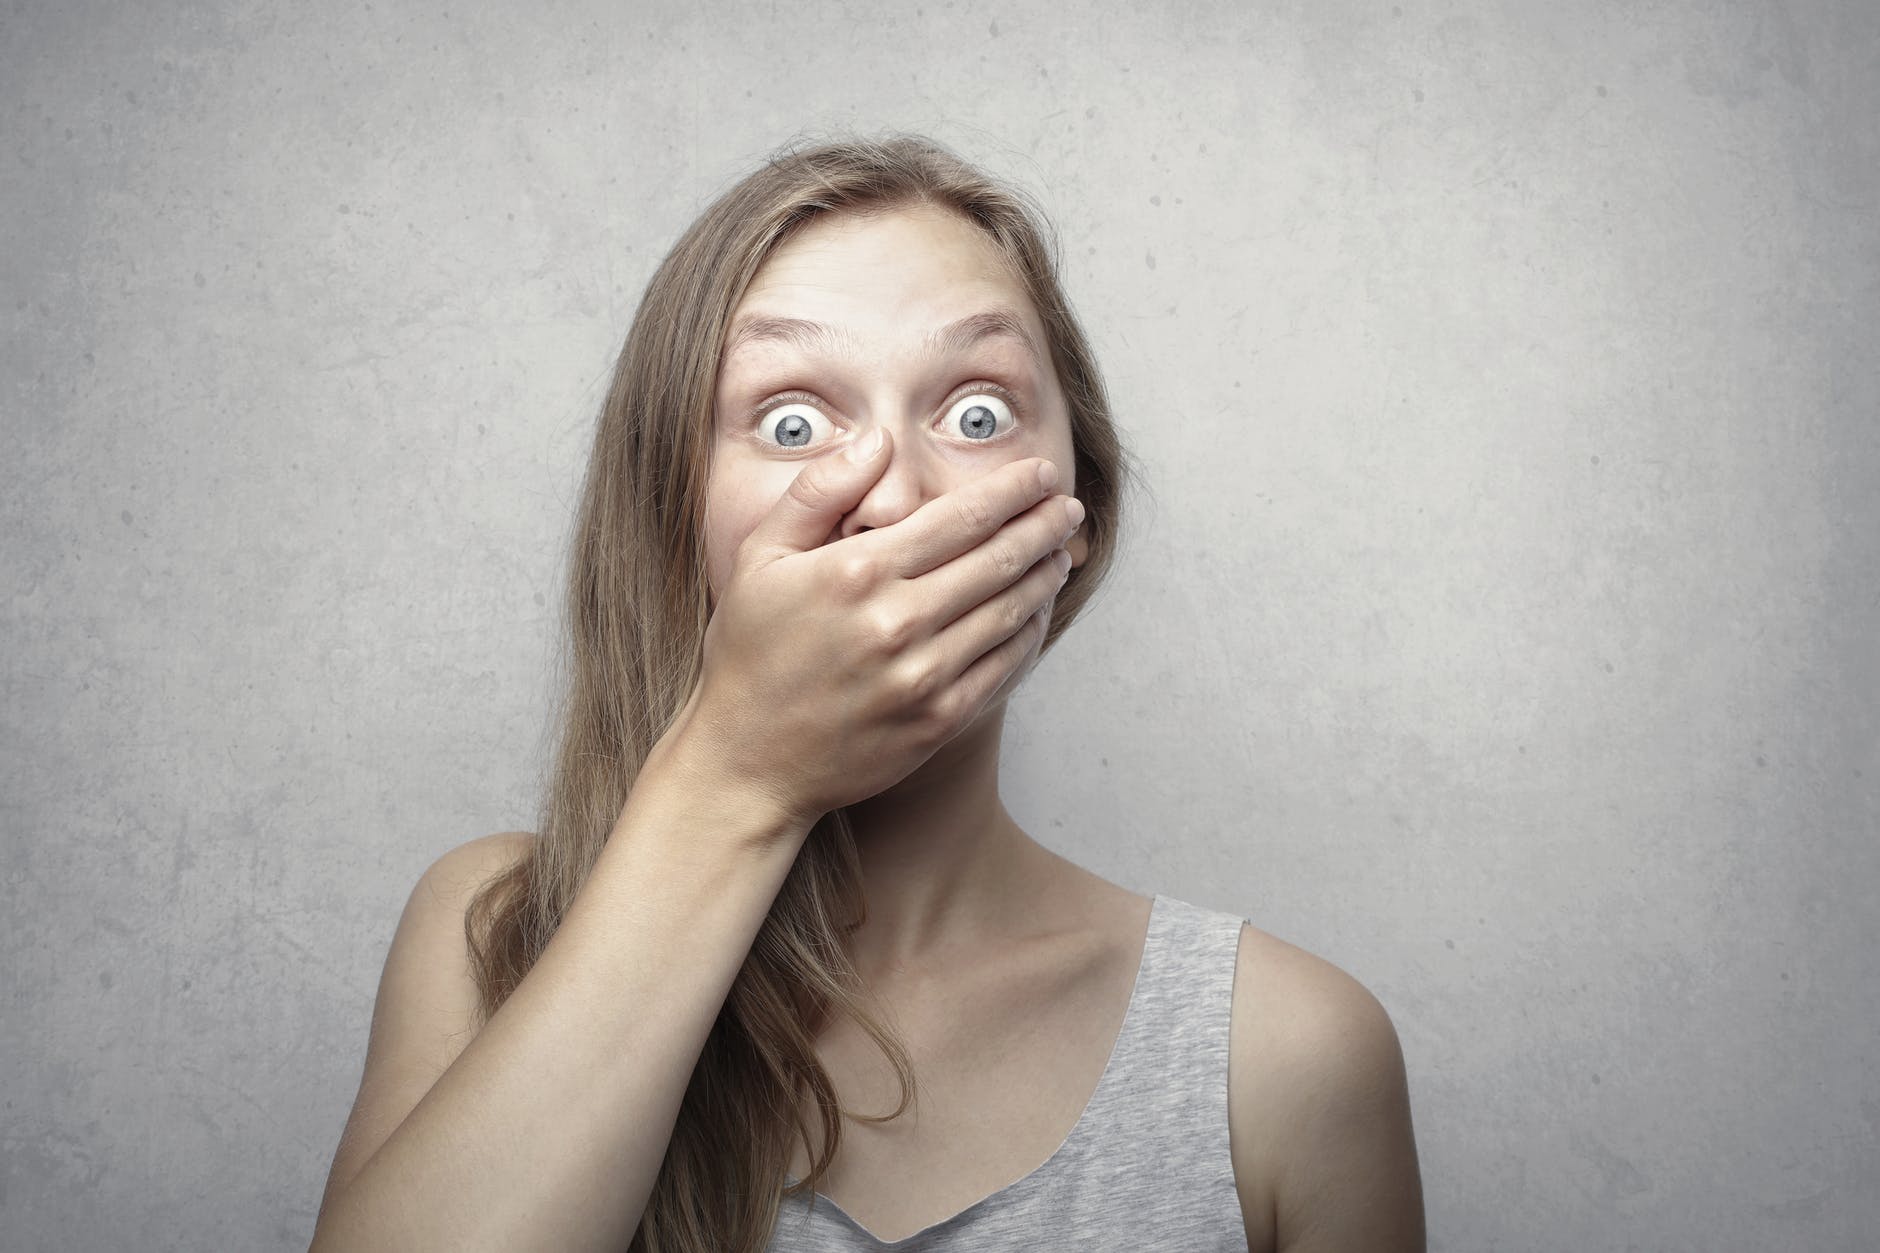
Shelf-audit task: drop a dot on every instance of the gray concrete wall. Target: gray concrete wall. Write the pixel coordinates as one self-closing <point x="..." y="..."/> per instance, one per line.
<point x="1503" y="625"/>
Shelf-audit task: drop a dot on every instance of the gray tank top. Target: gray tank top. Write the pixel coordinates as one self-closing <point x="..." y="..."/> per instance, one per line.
<point x="1147" y="1166"/>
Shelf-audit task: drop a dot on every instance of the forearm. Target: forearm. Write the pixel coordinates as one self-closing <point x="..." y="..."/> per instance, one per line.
<point x="549" y="1129"/>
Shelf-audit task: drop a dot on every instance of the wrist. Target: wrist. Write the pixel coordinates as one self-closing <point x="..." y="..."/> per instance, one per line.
<point x="687" y="762"/>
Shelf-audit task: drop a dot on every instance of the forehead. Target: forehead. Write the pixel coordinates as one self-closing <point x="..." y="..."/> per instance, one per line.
<point x="919" y="277"/>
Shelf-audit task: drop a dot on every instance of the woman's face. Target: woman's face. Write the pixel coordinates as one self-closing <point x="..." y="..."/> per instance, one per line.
<point x="884" y="289"/>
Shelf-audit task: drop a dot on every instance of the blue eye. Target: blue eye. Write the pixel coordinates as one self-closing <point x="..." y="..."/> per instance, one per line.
<point x="983" y="412"/>
<point x="792" y="429"/>
<point x="976" y="418"/>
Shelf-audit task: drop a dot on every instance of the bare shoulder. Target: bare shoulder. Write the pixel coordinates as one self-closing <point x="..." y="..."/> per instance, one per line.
<point x="1306" y="1017"/>
<point x="428" y="1000"/>
<point x="1319" y="1113"/>
<point x="457" y="875"/>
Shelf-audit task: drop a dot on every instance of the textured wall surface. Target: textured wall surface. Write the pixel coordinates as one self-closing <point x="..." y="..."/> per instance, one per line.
<point x="1503" y="624"/>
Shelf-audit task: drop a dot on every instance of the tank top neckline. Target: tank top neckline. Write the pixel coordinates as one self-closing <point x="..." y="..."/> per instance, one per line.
<point x="1092" y="1110"/>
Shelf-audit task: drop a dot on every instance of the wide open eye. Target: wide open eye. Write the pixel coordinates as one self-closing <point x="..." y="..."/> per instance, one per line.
<point x="788" y="425"/>
<point x="977" y="416"/>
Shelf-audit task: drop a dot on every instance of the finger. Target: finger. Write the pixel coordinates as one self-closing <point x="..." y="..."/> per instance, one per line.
<point x="972" y="579"/>
<point x="963" y="518"/>
<point x="992" y="672"/>
<point x="821" y="494"/>
<point x="956" y="649"/>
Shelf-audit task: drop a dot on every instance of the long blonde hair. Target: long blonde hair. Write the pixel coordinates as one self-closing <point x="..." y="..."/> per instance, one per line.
<point x="635" y="621"/>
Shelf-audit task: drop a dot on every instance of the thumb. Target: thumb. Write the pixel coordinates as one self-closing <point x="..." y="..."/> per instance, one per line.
<point x="816" y="499"/>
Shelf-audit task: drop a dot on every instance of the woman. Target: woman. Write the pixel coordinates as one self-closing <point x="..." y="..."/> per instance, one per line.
<point x="854" y="475"/>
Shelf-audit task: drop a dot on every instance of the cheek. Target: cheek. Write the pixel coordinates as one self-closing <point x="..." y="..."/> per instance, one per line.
<point x="729" y="518"/>
<point x="1060" y="453"/>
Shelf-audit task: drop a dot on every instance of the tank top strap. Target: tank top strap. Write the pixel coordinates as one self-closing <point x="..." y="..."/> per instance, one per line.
<point x="1148" y="1164"/>
<point x="1164" y="1092"/>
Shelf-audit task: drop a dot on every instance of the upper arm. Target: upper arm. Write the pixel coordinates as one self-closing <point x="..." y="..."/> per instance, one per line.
<point x="426" y="1010"/>
<point x="1319" y="1109"/>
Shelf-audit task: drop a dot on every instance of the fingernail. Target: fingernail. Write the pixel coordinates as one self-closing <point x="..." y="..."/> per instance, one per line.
<point x="1062" y="560"/>
<point x="1074" y="509"/>
<point x="1047" y="475"/>
<point x="867" y="446"/>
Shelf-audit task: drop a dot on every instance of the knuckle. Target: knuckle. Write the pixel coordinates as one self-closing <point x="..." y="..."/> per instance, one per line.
<point x="928" y="722"/>
<point x="890" y="629"/>
<point x="944" y="715"/>
<point x="857" y="573"/>
<point x="809" y="488"/>
<point x="975" y="511"/>
<point x="1017" y="614"/>
<point x="923" y="685"/>
<point x="1009" y="562"/>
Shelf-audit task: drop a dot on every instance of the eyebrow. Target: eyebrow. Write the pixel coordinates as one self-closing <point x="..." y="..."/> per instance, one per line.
<point x="953" y="338"/>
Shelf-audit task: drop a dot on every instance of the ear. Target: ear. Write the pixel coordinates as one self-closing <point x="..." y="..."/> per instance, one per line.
<point x="1078" y="547"/>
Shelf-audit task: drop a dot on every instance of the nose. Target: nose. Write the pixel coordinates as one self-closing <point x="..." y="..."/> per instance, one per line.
<point x="913" y="476"/>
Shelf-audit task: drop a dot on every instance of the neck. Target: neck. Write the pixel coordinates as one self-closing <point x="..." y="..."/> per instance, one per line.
<point x="945" y="869"/>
